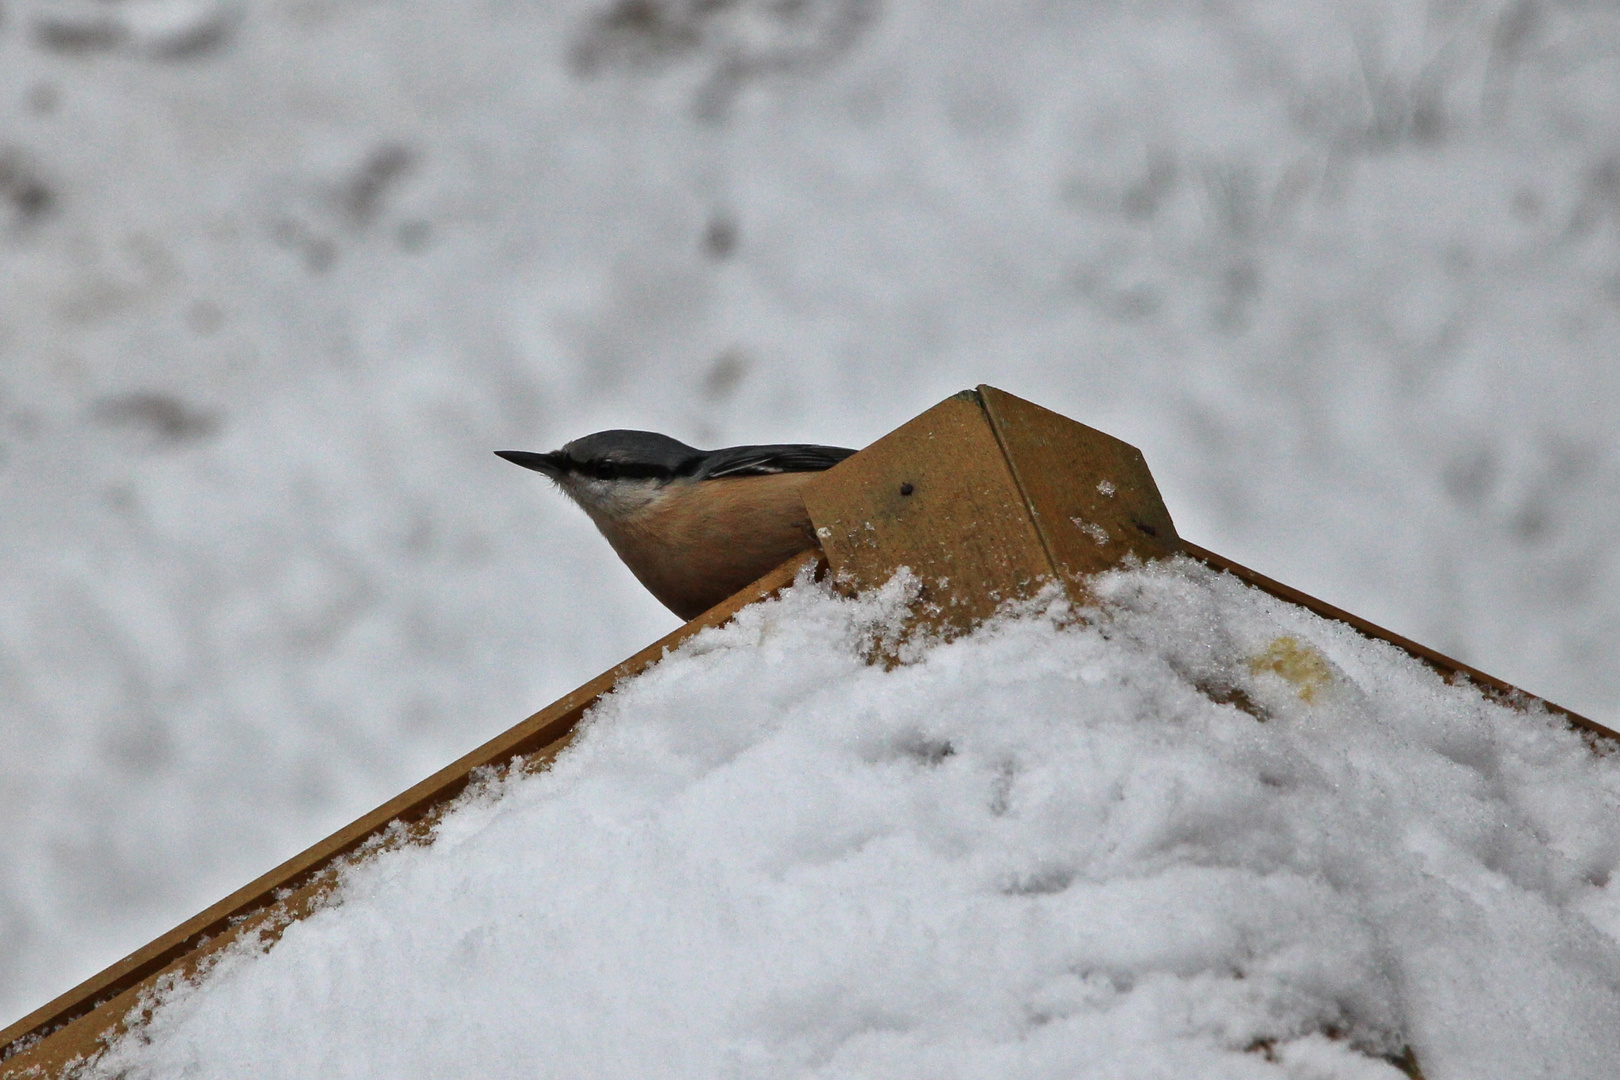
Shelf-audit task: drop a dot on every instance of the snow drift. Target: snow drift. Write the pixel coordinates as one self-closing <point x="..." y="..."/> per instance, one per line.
<point x="1192" y="832"/>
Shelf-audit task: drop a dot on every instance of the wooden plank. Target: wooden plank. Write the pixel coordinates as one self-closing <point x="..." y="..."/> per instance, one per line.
<point x="937" y="496"/>
<point x="1091" y="496"/>
<point x="75" y="1025"/>
<point x="1454" y="670"/>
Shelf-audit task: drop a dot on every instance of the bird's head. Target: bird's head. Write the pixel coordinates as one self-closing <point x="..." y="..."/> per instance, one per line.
<point x="614" y="475"/>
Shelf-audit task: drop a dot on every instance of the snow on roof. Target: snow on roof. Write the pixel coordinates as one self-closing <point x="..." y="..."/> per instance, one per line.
<point x="1197" y="832"/>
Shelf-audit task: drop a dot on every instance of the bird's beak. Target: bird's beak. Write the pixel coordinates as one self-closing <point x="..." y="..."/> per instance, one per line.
<point x="553" y="464"/>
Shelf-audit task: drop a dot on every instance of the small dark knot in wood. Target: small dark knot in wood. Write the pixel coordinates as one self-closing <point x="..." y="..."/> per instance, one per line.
<point x="1149" y="529"/>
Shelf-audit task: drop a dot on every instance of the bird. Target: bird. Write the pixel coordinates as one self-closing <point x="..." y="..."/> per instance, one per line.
<point x="694" y="526"/>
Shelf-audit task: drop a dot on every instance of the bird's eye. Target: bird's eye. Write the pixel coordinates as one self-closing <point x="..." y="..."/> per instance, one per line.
<point x="606" y="470"/>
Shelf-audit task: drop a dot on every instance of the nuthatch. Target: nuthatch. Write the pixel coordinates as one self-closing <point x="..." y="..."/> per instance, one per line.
<point x="694" y="526"/>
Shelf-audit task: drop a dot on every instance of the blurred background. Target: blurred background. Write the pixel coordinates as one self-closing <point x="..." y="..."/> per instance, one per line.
<point x="276" y="277"/>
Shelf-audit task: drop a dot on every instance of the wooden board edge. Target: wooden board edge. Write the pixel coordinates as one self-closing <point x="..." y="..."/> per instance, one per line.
<point x="1495" y="688"/>
<point x="997" y="424"/>
<point x="544" y="731"/>
<point x="84" y="1039"/>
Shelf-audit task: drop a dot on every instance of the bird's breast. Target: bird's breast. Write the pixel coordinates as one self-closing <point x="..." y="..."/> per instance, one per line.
<point x="701" y="541"/>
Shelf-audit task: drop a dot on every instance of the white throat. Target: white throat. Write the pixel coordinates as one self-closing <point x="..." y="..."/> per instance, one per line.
<point x="612" y="500"/>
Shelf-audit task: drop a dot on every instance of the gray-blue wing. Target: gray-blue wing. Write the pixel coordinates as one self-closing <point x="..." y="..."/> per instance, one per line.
<point x="765" y="460"/>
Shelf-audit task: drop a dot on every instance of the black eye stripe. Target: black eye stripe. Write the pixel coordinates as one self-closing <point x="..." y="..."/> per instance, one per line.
<point x="605" y="463"/>
<point x="620" y="470"/>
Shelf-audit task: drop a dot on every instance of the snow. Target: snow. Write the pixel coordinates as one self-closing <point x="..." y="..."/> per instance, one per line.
<point x="277" y="275"/>
<point x="1041" y="850"/>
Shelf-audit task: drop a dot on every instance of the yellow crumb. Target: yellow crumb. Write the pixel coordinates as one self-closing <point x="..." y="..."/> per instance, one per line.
<point x="1296" y="662"/>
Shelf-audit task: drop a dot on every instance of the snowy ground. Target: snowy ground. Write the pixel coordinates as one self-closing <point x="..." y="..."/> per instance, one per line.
<point x="1041" y="851"/>
<point x="276" y="276"/>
